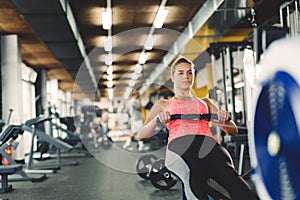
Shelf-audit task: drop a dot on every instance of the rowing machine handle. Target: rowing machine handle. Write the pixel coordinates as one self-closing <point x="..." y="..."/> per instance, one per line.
<point x="193" y="117"/>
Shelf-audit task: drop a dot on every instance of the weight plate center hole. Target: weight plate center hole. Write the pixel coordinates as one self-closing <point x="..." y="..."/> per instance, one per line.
<point x="273" y="143"/>
<point x="166" y="175"/>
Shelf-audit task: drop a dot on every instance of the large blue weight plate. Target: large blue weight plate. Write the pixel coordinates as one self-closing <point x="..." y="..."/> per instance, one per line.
<point x="276" y="137"/>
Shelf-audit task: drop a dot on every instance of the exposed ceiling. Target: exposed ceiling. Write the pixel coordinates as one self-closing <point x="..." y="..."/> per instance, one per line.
<point x="66" y="37"/>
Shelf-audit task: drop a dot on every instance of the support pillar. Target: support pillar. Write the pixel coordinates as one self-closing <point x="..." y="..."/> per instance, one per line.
<point x="43" y="83"/>
<point x="42" y="99"/>
<point x="11" y="80"/>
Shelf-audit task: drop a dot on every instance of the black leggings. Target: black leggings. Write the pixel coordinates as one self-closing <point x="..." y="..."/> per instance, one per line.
<point x="206" y="159"/>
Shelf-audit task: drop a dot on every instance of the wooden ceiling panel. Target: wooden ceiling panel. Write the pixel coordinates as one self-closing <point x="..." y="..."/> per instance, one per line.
<point x="11" y="21"/>
<point x="59" y="74"/>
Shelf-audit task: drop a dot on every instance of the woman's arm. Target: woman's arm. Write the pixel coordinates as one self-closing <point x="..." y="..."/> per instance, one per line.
<point x="151" y="122"/>
<point x="228" y="126"/>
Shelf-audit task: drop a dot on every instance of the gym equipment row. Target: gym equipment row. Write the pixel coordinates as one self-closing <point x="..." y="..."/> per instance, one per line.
<point x="37" y="171"/>
<point x="45" y="143"/>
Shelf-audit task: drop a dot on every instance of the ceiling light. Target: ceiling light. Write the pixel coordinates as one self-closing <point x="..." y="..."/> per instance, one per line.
<point x="106" y="19"/>
<point x="109" y="69"/>
<point x="131" y="83"/>
<point x="110" y="93"/>
<point x="110" y="84"/>
<point x="143" y="58"/>
<point x="160" y="17"/>
<point x="108" y="43"/>
<point x="134" y="76"/>
<point x="138" y="68"/>
<point x="109" y="77"/>
<point x="108" y="59"/>
<point x="149" y="42"/>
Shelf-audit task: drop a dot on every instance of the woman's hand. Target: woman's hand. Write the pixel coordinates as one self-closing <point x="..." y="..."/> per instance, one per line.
<point x="164" y="117"/>
<point x="225" y="122"/>
<point x="223" y="115"/>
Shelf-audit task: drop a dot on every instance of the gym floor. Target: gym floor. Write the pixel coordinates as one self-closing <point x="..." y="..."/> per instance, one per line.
<point x="90" y="179"/>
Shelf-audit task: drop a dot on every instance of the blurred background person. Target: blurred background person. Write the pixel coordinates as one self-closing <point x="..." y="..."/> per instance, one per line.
<point x="136" y="122"/>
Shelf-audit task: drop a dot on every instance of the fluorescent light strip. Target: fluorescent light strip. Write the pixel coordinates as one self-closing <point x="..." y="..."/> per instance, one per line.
<point x="108" y="43"/>
<point x="204" y="13"/>
<point x="110" y="84"/>
<point x="109" y="69"/>
<point x="149" y="42"/>
<point x="110" y="93"/>
<point x="142" y="58"/>
<point x="107" y="19"/>
<point x="109" y="77"/>
<point x="138" y="68"/>
<point x="134" y="76"/>
<point x="131" y="82"/>
<point x="160" y="17"/>
<point x="108" y="59"/>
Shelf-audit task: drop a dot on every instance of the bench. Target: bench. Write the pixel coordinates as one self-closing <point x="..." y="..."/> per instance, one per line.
<point x="6" y="170"/>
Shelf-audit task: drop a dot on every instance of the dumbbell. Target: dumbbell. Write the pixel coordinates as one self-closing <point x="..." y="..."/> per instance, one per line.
<point x="144" y="165"/>
<point x="149" y="167"/>
<point x="161" y="177"/>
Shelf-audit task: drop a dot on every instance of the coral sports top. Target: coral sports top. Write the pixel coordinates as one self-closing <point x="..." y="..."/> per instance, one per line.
<point x="178" y="128"/>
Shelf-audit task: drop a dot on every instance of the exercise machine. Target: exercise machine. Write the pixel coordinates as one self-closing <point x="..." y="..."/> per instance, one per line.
<point x="274" y="134"/>
<point x="31" y="126"/>
<point x="274" y="129"/>
<point x="8" y="135"/>
<point x="55" y="125"/>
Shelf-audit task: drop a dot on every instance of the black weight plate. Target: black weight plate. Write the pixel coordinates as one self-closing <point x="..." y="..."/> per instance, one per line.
<point x="276" y="137"/>
<point x="161" y="177"/>
<point x="144" y="165"/>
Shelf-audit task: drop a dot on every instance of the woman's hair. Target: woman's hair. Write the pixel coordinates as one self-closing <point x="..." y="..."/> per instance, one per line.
<point x="178" y="61"/>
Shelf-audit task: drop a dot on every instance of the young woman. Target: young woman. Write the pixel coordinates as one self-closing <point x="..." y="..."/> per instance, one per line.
<point x="193" y="153"/>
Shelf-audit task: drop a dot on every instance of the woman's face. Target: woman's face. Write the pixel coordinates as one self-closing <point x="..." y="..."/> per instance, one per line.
<point x="183" y="76"/>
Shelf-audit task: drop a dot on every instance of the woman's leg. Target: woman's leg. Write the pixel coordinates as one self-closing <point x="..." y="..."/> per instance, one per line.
<point x="177" y="165"/>
<point x="227" y="176"/>
<point x="182" y="158"/>
<point x="183" y="193"/>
